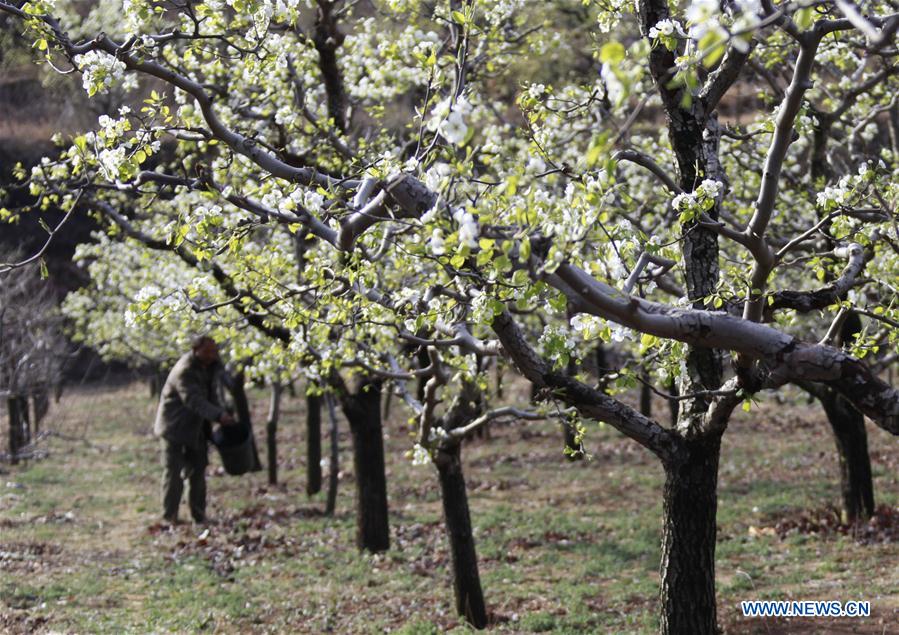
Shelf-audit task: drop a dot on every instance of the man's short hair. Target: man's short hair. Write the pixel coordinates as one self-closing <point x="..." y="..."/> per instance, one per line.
<point x="199" y="341"/>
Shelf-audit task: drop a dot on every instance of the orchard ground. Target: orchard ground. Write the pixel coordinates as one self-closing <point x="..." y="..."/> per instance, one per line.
<point x="564" y="547"/>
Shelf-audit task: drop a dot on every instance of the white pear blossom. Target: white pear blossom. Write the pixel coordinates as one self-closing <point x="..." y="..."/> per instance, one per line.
<point x="667" y="28"/>
<point x="615" y="88"/>
<point x="420" y="456"/>
<point x="111" y="161"/>
<point x="454" y="128"/>
<point x="100" y="71"/>
<point x="436" y="244"/>
<point x="468" y="228"/>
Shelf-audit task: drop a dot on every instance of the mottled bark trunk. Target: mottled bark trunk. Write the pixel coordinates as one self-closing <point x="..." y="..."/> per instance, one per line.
<point x="313" y="444"/>
<point x="423" y="362"/>
<point x="334" y="463"/>
<point x="236" y="386"/>
<point x="818" y="164"/>
<point x="848" y="426"/>
<point x="15" y="429"/>
<point x="25" y="416"/>
<point x="603" y="367"/>
<point x="388" y="401"/>
<point x="271" y="446"/>
<point x="363" y="410"/>
<point x="40" y="407"/>
<point x="327" y="38"/>
<point x="688" y="540"/>
<point x="271" y="434"/>
<point x="157" y="379"/>
<point x="673" y="404"/>
<point x="466" y="580"/>
<point x="856" y="484"/>
<point x="645" y="397"/>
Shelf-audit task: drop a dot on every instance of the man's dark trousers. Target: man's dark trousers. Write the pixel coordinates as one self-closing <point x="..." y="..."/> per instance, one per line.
<point x="182" y="462"/>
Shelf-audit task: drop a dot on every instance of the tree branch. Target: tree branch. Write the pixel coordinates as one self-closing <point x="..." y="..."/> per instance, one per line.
<point x="588" y="401"/>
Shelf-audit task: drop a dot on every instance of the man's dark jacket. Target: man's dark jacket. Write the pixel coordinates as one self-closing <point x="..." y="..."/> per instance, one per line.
<point x="187" y="401"/>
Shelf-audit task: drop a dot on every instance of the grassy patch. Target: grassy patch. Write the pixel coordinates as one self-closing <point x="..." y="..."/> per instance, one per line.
<point x="564" y="547"/>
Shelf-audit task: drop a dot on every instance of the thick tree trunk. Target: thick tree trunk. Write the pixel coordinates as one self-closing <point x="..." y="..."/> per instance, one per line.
<point x="673" y="404"/>
<point x="25" y="418"/>
<point x="327" y="39"/>
<point x="388" y="400"/>
<point x="466" y="580"/>
<point x="236" y="386"/>
<point x="688" y="540"/>
<point x="15" y="429"/>
<point x="157" y="379"/>
<point x="40" y="406"/>
<point x="334" y="463"/>
<point x="857" y="487"/>
<point x="423" y="362"/>
<point x="363" y="410"/>
<point x="313" y="444"/>
<point x="271" y="434"/>
<point x="645" y="397"/>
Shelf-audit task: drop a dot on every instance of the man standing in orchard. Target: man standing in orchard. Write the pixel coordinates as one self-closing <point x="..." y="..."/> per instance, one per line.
<point x="187" y="402"/>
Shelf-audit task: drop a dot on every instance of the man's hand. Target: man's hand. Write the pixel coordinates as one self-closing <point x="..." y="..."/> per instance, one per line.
<point x="226" y="419"/>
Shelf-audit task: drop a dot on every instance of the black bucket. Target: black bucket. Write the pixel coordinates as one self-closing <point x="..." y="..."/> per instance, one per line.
<point x="236" y="447"/>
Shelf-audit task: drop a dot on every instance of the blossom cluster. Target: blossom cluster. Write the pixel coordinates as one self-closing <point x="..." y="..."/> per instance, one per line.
<point x="448" y="118"/>
<point x="101" y="71"/>
<point x="835" y="196"/>
<point x="702" y="199"/>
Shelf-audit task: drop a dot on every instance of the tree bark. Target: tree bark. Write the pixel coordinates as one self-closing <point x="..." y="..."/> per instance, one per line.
<point x="423" y="361"/>
<point x="25" y="419"/>
<point x="533" y="393"/>
<point x="41" y="406"/>
<point x="334" y="463"/>
<point x="645" y="397"/>
<point x="313" y="444"/>
<point x="271" y="434"/>
<point x="327" y="38"/>
<point x="363" y="410"/>
<point x="856" y="484"/>
<point x="466" y="580"/>
<point x="236" y="386"/>
<point x="688" y="539"/>
<point x="157" y="379"/>
<point x="673" y="404"/>
<point x="848" y="425"/>
<point x="388" y="400"/>
<point x="15" y="429"/>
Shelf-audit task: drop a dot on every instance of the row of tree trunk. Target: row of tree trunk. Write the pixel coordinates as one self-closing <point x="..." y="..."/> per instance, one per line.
<point x="690" y="500"/>
<point x="24" y="416"/>
<point x="846" y="422"/>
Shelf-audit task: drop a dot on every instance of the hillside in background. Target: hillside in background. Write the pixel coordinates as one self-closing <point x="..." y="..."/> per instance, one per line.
<point x="34" y="105"/>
